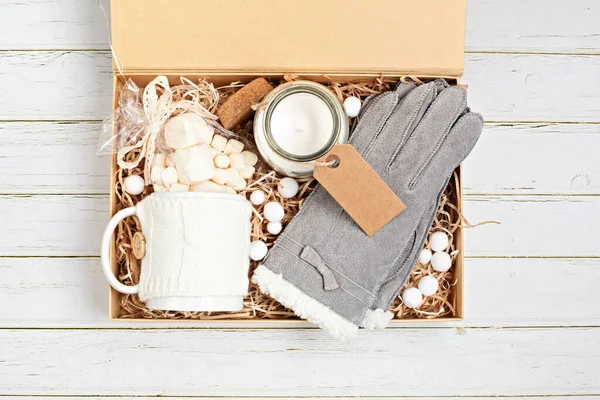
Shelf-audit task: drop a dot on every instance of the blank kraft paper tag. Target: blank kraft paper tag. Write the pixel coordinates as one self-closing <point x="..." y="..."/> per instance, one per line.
<point x="358" y="189"/>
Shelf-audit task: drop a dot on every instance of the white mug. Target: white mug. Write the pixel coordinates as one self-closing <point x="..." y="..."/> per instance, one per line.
<point x="196" y="255"/>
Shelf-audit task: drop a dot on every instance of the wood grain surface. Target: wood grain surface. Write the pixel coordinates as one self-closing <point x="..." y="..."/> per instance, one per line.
<point x="532" y="325"/>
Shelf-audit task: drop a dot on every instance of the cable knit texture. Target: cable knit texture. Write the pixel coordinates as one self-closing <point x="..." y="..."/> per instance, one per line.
<point x="196" y="245"/>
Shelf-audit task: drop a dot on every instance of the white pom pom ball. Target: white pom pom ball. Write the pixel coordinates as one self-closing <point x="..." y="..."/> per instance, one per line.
<point x="441" y="261"/>
<point x="258" y="250"/>
<point x="352" y="106"/>
<point x="428" y="285"/>
<point x="274" y="228"/>
<point x="438" y="241"/>
<point x="134" y="184"/>
<point x="287" y="188"/>
<point x="412" y="297"/>
<point x="425" y="256"/>
<point x="273" y="212"/>
<point x="257" y="197"/>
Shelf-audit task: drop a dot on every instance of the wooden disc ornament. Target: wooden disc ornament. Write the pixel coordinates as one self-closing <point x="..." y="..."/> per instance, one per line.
<point x="138" y="244"/>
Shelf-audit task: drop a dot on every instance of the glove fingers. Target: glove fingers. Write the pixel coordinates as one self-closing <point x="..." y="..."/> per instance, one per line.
<point x="373" y="119"/>
<point x="429" y="136"/>
<point x="374" y="116"/>
<point x="401" y="124"/>
<point x="455" y="148"/>
<point x="365" y="105"/>
<point x="391" y="288"/>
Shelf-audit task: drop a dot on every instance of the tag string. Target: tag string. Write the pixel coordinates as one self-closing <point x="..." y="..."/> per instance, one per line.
<point x="324" y="164"/>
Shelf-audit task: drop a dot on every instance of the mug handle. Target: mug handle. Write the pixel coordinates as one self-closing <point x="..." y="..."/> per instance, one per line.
<point x="105" y="251"/>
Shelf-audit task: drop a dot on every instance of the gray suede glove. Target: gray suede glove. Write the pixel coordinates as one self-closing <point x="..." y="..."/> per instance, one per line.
<point x="323" y="266"/>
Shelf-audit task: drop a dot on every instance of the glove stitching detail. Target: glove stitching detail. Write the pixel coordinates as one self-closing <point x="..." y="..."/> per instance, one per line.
<point x="380" y="129"/>
<point x="340" y="287"/>
<point x="459" y="111"/>
<point x="405" y="135"/>
<point x="301" y="246"/>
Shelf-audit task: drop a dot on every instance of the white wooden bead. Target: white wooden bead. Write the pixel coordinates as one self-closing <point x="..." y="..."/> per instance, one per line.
<point x="233" y="147"/>
<point x="134" y="184"/>
<point x="441" y="261"/>
<point x="179" y="187"/>
<point x="428" y="285"/>
<point x="194" y="164"/>
<point x="258" y="250"/>
<point x="208" y="186"/>
<point x="156" y="174"/>
<point x="247" y="172"/>
<point x="274" y="228"/>
<point x="222" y="161"/>
<point x="287" y="187"/>
<point x="237" y="161"/>
<point x="160" y="160"/>
<point x="169" y="176"/>
<point x="273" y="212"/>
<point x="187" y="130"/>
<point x="257" y="197"/>
<point x="425" y="256"/>
<point x="220" y="176"/>
<point x="250" y="158"/>
<point x="412" y="297"/>
<point x="438" y="241"/>
<point x="218" y="143"/>
<point x="352" y="106"/>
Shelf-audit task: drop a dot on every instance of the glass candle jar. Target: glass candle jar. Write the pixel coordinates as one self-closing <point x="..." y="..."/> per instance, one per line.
<point x="297" y="123"/>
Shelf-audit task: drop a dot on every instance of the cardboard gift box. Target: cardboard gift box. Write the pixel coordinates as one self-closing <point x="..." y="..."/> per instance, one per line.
<point x="239" y="40"/>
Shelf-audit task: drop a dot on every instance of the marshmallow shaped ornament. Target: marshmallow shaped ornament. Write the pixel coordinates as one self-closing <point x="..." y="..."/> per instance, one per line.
<point x="250" y="158"/>
<point x="208" y="186"/>
<point x="218" y="143"/>
<point x="194" y="164"/>
<point x="186" y="130"/>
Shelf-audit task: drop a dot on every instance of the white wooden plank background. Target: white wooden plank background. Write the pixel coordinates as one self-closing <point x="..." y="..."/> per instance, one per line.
<point x="532" y="325"/>
<point x="308" y="398"/>
<point x="304" y="362"/>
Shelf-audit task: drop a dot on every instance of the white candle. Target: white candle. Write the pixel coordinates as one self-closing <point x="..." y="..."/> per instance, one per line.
<point x="302" y="124"/>
<point x="296" y="123"/>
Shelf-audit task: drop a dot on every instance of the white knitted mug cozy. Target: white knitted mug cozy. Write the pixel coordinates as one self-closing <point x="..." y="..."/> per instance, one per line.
<point x="196" y="251"/>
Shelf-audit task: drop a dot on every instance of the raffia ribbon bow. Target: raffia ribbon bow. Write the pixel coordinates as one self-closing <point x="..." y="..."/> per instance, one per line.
<point x="313" y="258"/>
<point x="158" y="108"/>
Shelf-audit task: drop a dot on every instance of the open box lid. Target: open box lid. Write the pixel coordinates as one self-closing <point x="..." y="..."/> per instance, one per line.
<point x="420" y="37"/>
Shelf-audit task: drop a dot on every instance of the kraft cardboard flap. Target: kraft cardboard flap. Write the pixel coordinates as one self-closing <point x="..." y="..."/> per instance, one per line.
<point x="424" y="37"/>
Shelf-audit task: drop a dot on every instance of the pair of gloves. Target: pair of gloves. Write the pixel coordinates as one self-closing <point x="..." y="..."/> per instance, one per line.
<point x="323" y="266"/>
